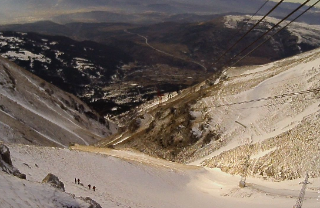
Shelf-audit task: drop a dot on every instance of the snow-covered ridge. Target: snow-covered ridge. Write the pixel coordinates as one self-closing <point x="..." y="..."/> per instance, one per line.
<point x="306" y="33"/>
<point x="21" y="54"/>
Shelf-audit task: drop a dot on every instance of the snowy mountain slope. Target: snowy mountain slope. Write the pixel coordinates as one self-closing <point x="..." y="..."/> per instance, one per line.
<point x="35" y="112"/>
<point x="306" y="34"/>
<point x="139" y="181"/>
<point x="274" y="107"/>
<point x="20" y="193"/>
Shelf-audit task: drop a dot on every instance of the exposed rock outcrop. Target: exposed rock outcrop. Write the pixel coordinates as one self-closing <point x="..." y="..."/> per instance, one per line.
<point x="6" y="163"/>
<point x="53" y="181"/>
<point x="93" y="204"/>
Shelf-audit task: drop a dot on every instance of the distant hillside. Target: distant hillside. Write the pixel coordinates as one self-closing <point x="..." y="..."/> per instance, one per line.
<point x="135" y="62"/>
<point x="43" y="27"/>
<point x="16" y="11"/>
<point x="107" y="78"/>
<point x="36" y="112"/>
<point x="204" y="42"/>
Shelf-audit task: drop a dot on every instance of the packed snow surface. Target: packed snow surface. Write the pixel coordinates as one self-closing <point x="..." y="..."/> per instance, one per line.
<point x="130" y="179"/>
<point x="258" y="103"/>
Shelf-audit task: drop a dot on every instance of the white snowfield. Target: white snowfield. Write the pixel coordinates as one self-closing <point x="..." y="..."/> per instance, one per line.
<point x="306" y="33"/>
<point x="253" y="104"/>
<point x="128" y="179"/>
<point x="18" y="193"/>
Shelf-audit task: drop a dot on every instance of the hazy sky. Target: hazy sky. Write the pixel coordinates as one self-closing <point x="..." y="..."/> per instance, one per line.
<point x="17" y="11"/>
<point x="299" y="1"/>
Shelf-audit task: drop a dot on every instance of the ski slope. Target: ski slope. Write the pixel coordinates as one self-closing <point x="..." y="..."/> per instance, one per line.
<point x="258" y="103"/>
<point x="131" y="179"/>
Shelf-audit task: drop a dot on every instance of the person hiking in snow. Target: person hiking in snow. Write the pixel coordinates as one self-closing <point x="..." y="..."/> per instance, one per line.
<point x="78" y="181"/>
<point x="94" y="188"/>
<point x="89" y="186"/>
<point x="75" y="180"/>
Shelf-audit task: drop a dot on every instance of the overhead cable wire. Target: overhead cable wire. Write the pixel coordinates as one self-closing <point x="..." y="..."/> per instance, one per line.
<point x="254" y="26"/>
<point x="275" y="33"/>
<point x="270" y="98"/>
<point x="275" y="104"/>
<point x="244" y="24"/>
<point x="259" y="9"/>
<point x="266" y="33"/>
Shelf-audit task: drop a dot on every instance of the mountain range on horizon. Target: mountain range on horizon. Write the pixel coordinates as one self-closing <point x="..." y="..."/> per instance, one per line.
<point x="128" y="72"/>
<point x="60" y="10"/>
<point x="148" y="103"/>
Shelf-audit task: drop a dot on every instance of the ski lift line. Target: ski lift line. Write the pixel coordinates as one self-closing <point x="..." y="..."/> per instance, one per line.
<point x="269" y="105"/>
<point x="272" y="97"/>
<point x="266" y="33"/>
<point x="302" y="192"/>
<point x="240" y="124"/>
<point x="254" y="26"/>
<point x="247" y="21"/>
<point x="274" y="34"/>
<point x="291" y="78"/>
<point x="268" y="98"/>
<point x="259" y="9"/>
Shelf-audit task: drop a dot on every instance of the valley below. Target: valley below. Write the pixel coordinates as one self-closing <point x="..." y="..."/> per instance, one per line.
<point x="141" y="104"/>
<point x="115" y="67"/>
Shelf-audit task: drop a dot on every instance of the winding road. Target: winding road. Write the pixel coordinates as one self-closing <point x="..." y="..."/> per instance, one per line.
<point x="165" y="53"/>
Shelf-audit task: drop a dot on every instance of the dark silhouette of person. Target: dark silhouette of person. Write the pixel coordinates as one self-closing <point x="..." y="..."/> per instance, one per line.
<point x="94" y="188"/>
<point x="89" y="186"/>
<point x="78" y="181"/>
<point x="75" y="180"/>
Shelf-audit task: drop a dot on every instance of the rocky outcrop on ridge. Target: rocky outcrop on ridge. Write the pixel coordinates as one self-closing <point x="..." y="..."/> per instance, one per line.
<point x="93" y="204"/>
<point x="53" y="181"/>
<point x="6" y="163"/>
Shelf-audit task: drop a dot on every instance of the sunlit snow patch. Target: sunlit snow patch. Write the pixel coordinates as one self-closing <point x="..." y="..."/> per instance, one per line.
<point x="25" y="56"/>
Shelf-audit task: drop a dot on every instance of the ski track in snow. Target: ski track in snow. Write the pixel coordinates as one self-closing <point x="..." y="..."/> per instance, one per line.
<point x="53" y="110"/>
<point x="48" y="138"/>
<point x="5" y="125"/>
<point x="43" y="135"/>
<point x="261" y="154"/>
<point x="8" y="114"/>
<point x="44" y="117"/>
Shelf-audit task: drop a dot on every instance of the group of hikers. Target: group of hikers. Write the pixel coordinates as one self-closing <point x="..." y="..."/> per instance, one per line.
<point x="77" y="181"/>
